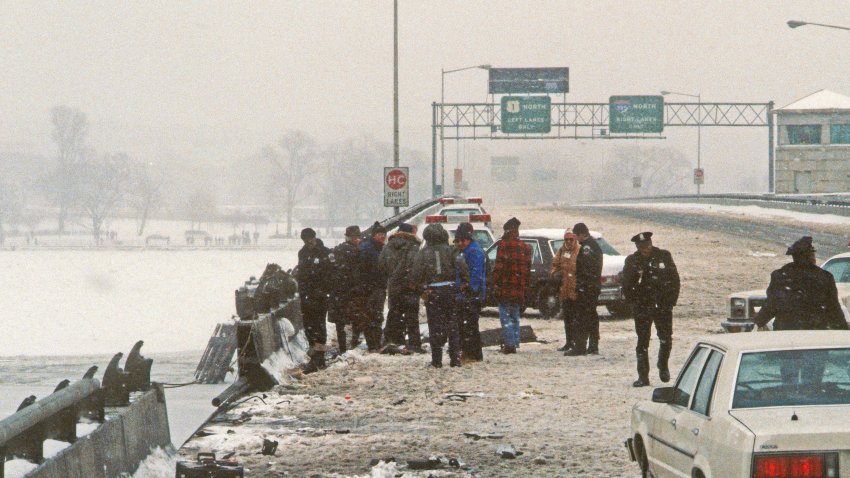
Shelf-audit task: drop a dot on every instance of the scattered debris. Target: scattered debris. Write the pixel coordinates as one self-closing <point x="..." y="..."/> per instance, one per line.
<point x="204" y="433"/>
<point x="480" y="435"/>
<point x="431" y="463"/>
<point x="269" y="447"/>
<point x="539" y="460"/>
<point x="375" y="461"/>
<point x="399" y="401"/>
<point x="342" y="431"/>
<point x="507" y="451"/>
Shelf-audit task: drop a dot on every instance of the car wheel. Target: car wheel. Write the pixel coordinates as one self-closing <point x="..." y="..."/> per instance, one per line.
<point x="619" y="310"/>
<point x="548" y="302"/>
<point x="642" y="460"/>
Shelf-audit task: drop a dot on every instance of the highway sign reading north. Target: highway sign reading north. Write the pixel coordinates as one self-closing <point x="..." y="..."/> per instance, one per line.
<point x="636" y="114"/>
<point x="526" y="114"/>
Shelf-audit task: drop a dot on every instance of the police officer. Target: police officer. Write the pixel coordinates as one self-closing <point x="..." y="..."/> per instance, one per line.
<point x="314" y="276"/>
<point x="801" y="295"/>
<point x="348" y="295"/>
<point x="651" y="286"/>
<point x="588" y="286"/>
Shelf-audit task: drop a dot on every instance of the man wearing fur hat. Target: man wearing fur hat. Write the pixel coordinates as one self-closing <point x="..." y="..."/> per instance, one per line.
<point x="651" y="286"/>
<point x="375" y="285"/>
<point x="396" y="263"/>
<point x="314" y="278"/>
<point x="801" y="295"/>
<point x="347" y="295"/>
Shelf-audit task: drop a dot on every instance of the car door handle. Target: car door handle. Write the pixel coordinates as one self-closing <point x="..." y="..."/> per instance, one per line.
<point x="695" y="431"/>
<point x="673" y="422"/>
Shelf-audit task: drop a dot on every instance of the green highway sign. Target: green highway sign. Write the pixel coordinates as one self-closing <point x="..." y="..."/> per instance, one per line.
<point x="526" y="114"/>
<point x="636" y="114"/>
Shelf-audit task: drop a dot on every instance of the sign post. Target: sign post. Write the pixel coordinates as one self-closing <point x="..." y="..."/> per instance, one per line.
<point x="636" y="114"/>
<point x="396" y="187"/>
<point x="526" y="114"/>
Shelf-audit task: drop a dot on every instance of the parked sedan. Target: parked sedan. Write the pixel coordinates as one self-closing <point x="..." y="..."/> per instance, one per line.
<point x="764" y="404"/>
<point x="542" y="294"/>
<point x="743" y="306"/>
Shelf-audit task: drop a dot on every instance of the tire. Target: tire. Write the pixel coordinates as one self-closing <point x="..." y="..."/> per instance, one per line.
<point x="619" y="310"/>
<point x="548" y="302"/>
<point x="640" y="454"/>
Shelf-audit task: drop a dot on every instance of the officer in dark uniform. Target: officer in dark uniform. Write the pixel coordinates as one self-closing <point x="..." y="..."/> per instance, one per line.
<point x="588" y="286"/>
<point x="651" y="286"/>
<point x="314" y="277"/>
<point x="348" y="295"/>
<point x="801" y="295"/>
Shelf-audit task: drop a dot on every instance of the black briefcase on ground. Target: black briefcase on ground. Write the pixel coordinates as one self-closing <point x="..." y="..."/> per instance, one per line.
<point x="208" y="467"/>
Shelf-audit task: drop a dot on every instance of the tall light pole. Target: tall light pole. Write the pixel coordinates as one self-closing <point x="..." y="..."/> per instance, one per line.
<point x="797" y="23"/>
<point x="442" y="101"/>
<point x="395" y="89"/>
<point x="699" y="126"/>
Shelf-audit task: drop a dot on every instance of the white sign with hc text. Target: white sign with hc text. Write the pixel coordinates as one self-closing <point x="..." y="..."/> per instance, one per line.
<point x="396" y="190"/>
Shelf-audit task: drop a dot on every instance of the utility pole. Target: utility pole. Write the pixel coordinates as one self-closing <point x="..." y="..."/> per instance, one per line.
<point x="395" y="89"/>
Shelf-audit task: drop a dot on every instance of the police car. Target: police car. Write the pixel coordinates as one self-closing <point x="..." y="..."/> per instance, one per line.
<point x="542" y="294"/>
<point x="743" y="306"/>
<point x="461" y="207"/>
<point x="481" y="225"/>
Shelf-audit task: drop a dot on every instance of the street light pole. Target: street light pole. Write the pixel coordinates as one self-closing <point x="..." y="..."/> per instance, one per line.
<point x="395" y="90"/>
<point x="443" y="73"/>
<point x="797" y="23"/>
<point x="698" y="96"/>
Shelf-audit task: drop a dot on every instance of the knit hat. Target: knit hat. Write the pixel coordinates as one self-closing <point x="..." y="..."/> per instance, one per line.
<point x="512" y="224"/>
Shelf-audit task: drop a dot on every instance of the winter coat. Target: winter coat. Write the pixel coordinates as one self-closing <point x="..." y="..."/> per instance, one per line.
<point x="564" y="269"/>
<point x="373" y="278"/>
<point x="314" y="274"/>
<point x="347" y="273"/>
<point x="512" y="270"/>
<point x="802" y="297"/>
<point x="396" y="262"/>
<point x="476" y="263"/>
<point x="651" y="281"/>
<point x="589" y="268"/>
<point x="438" y="261"/>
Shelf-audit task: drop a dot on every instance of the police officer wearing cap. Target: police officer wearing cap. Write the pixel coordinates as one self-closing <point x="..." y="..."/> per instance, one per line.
<point x="801" y="295"/>
<point x="314" y="280"/>
<point x="651" y="287"/>
<point x="588" y="286"/>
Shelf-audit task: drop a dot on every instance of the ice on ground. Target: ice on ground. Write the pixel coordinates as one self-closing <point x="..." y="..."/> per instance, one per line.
<point x="18" y="468"/>
<point x="158" y="464"/>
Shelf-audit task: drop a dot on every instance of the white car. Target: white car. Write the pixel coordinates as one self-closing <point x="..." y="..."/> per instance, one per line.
<point x="758" y="405"/>
<point x="743" y="306"/>
<point x="482" y="233"/>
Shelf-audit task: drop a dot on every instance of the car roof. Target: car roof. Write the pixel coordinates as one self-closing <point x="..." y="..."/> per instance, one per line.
<point x="839" y="256"/>
<point x="551" y="234"/>
<point x="466" y="205"/>
<point x="789" y="339"/>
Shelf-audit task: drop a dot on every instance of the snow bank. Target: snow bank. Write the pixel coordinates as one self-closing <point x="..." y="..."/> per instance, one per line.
<point x="750" y="211"/>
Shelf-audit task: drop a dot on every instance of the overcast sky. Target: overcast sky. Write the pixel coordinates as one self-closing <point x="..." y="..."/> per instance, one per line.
<point x="217" y="79"/>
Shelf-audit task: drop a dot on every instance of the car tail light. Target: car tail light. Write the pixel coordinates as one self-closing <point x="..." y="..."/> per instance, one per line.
<point x="476" y="200"/>
<point x="796" y="466"/>
<point x="435" y="219"/>
<point x="447" y="201"/>
<point x="479" y="218"/>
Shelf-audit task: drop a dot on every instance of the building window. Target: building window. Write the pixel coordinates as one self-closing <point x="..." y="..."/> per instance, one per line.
<point x="839" y="134"/>
<point x="804" y="134"/>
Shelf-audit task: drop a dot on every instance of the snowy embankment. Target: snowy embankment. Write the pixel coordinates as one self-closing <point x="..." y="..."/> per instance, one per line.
<point x="756" y="212"/>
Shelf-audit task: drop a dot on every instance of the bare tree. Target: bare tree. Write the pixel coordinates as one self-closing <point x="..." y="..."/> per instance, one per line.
<point x="146" y="182"/>
<point x="104" y="182"/>
<point x="10" y="207"/>
<point x="200" y="206"/>
<point x="293" y="160"/>
<point x="69" y="133"/>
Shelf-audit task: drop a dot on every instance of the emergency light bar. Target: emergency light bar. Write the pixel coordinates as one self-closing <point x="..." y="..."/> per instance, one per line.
<point x="435" y="219"/>
<point x="469" y="218"/>
<point x="475" y="200"/>
<point x="479" y="218"/>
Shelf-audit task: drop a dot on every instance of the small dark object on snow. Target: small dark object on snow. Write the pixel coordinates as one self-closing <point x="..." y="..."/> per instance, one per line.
<point x="480" y="435"/>
<point x="375" y="461"/>
<point x="454" y="397"/>
<point x="203" y="433"/>
<point x="208" y="467"/>
<point x="454" y="463"/>
<point x="429" y="464"/>
<point x="399" y="401"/>
<point x="342" y="431"/>
<point x="507" y="451"/>
<point x="269" y="447"/>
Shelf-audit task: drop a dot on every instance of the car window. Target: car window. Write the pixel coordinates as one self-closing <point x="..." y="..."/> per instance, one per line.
<point x="459" y="212"/>
<point x="482" y="238"/>
<point x="839" y="268"/>
<point x="607" y="249"/>
<point x="705" y="387"/>
<point x="798" y="377"/>
<point x="536" y="258"/>
<point x="689" y="377"/>
<point x="491" y="254"/>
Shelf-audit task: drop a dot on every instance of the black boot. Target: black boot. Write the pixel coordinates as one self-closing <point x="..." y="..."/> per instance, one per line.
<point x="642" y="381"/>
<point x="341" y="338"/>
<point x="642" y="368"/>
<point x="663" y="358"/>
<point x="593" y="347"/>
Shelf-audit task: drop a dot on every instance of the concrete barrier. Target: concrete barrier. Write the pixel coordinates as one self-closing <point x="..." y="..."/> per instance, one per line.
<point x="117" y="446"/>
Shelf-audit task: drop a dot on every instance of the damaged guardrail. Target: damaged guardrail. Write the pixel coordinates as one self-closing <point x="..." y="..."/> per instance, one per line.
<point x="127" y="431"/>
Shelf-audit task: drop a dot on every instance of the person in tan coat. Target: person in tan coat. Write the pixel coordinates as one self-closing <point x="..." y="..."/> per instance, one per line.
<point x="563" y="272"/>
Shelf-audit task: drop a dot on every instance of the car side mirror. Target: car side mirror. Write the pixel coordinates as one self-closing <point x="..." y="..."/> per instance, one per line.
<point x="663" y="394"/>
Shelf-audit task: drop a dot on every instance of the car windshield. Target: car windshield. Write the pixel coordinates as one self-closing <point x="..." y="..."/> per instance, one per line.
<point x="793" y="378"/>
<point x="460" y="212"/>
<point x="839" y="268"/>
<point x="483" y="239"/>
<point x="607" y="249"/>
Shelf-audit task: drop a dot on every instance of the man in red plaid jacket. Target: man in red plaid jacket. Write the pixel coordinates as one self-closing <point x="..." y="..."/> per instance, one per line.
<point x="510" y="278"/>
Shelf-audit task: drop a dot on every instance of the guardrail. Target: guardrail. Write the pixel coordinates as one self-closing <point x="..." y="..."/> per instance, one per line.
<point x="117" y="446"/>
<point x="836" y="200"/>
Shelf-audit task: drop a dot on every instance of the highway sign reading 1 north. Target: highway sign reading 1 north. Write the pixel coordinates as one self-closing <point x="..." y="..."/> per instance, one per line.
<point x="636" y="114"/>
<point x="526" y="114"/>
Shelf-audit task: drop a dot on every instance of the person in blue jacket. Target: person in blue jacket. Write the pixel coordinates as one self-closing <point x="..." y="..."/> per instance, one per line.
<point x="471" y="297"/>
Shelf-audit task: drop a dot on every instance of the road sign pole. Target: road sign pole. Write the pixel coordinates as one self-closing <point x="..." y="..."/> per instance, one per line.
<point x="395" y="89"/>
<point x="434" y="149"/>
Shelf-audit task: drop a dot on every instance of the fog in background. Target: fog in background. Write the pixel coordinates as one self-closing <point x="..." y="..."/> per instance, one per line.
<point x="185" y="109"/>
